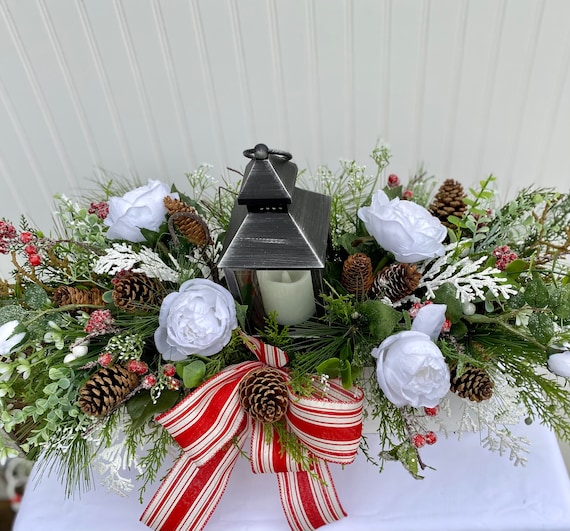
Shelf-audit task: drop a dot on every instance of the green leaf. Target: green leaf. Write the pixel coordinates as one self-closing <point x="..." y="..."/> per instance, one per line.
<point x="241" y="314"/>
<point x="560" y="301"/>
<point x="330" y="367"/>
<point x="193" y="373"/>
<point x="541" y="327"/>
<point x="346" y="374"/>
<point x="515" y="268"/>
<point x="141" y="408"/>
<point x="64" y="383"/>
<point x="458" y="222"/>
<point x="51" y="388"/>
<point x="407" y="454"/>
<point x="108" y="297"/>
<point x="35" y="297"/>
<point x="381" y="318"/>
<point x="447" y="294"/>
<point x="536" y="293"/>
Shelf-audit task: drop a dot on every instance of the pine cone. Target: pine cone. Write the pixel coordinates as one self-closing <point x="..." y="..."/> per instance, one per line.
<point x="106" y="389"/>
<point x="357" y="274"/>
<point x="448" y="201"/>
<point x="263" y="394"/>
<point x="395" y="281"/>
<point x="474" y="384"/>
<point x="188" y="222"/>
<point x="65" y="295"/>
<point x="136" y="292"/>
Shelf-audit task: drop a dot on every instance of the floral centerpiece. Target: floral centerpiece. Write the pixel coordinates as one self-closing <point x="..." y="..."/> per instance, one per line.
<point x="120" y="332"/>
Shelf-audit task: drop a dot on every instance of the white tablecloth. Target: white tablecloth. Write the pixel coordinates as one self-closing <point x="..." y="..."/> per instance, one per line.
<point x="471" y="489"/>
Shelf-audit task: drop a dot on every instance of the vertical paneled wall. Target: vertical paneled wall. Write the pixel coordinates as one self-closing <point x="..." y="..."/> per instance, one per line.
<point x="152" y="88"/>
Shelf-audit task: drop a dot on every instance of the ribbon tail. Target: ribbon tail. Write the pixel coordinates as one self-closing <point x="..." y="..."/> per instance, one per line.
<point x="309" y="499"/>
<point x="189" y="494"/>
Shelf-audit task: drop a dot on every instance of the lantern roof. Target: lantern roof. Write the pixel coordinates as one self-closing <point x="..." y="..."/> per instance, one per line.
<point x="275" y="225"/>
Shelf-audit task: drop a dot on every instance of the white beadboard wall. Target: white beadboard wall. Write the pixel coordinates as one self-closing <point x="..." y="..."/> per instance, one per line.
<point x="153" y="88"/>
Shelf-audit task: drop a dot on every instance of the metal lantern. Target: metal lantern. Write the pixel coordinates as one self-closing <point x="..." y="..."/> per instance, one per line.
<point x="274" y="251"/>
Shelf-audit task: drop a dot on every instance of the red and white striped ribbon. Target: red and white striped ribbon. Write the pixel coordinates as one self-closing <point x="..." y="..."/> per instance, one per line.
<point x="211" y="427"/>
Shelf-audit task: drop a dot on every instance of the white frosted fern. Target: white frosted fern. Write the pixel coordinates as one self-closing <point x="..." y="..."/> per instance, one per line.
<point x="121" y="257"/>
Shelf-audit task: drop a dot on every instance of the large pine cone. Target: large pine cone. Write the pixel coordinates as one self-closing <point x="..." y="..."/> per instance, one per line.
<point x="474" y="384"/>
<point x="357" y="274"/>
<point x="395" y="282"/>
<point x="263" y="394"/>
<point x="65" y="295"/>
<point x="135" y="292"/>
<point x="448" y="201"/>
<point x="188" y="222"/>
<point x="106" y="389"/>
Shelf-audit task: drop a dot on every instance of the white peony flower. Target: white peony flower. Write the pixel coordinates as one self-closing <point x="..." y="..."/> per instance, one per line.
<point x="141" y="208"/>
<point x="560" y="363"/>
<point x="8" y="339"/>
<point x="430" y="319"/>
<point x="411" y="370"/>
<point x="197" y="319"/>
<point x="404" y="228"/>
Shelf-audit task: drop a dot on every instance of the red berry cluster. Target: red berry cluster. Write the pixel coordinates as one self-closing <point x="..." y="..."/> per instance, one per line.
<point x="165" y="379"/>
<point x="100" y="322"/>
<point x="7" y="234"/>
<point x="504" y="256"/>
<point x="100" y="209"/>
<point x="33" y="257"/>
<point x="105" y="359"/>
<point x="419" y="439"/>
<point x="431" y="411"/>
<point x="138" y="367"/>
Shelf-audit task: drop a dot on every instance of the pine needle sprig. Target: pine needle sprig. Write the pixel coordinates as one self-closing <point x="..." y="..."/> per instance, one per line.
<point x="519" y="360"/>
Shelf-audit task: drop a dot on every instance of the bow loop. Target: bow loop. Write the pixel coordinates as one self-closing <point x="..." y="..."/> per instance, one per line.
<point x="211" y="426"/>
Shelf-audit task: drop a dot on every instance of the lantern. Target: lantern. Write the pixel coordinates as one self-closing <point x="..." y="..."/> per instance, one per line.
<point x="275" y="248"/>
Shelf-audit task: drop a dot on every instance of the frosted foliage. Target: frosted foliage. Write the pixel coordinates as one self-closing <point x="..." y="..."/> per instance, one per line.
<point x="112" y="460"/>
<point x="470" y="283"/>
<point x="121" y="257"/>
<point x="491" y="417"/>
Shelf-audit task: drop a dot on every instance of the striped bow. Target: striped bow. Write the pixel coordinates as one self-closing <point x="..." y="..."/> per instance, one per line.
<point x="211" y="427"/>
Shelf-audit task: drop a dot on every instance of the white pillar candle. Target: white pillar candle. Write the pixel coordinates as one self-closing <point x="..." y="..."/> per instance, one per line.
<point x="289" y="293"/>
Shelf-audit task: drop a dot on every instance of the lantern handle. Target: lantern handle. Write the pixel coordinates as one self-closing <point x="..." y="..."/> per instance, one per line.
<point x="262" y="152"/>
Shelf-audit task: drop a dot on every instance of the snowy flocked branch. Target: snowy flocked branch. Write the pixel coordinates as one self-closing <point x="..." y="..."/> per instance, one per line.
<point x="470" y="283"/>
<point x="121" y="257"/>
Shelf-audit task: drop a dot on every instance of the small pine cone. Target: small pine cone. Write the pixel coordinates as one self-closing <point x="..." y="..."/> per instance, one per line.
<point x="188" y="222"/>
<point x="106" y="389"/>
<point x="135" y="292"/>
<point x="448" y="201"/>
<point x="474" y="384"/>
<point x="395" y="281"/>
<point x="65" y="295"/>
<point x="263" y="394"/>
<point x="357" y="274"/>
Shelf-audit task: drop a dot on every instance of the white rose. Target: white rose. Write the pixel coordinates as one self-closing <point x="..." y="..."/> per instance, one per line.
<point x="404" y="228"/>
<point x="411" y="370"/>
<point x="141" y="208"/>
<point x="8" y="339"/>
<point x="560" y="363"/>
<point x="197" y="319"/>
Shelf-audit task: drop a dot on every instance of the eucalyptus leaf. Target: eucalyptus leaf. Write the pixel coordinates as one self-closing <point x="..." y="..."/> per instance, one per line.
<point x="141" y="408"/>
<point x="193" y="373"/>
